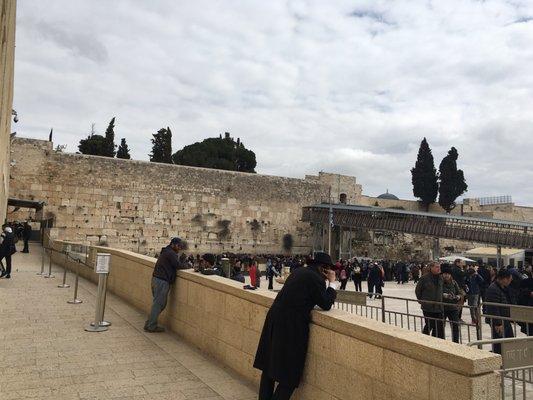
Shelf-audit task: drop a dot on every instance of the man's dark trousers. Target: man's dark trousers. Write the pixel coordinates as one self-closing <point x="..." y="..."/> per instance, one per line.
<point x="160" y="290"/>
<point x="434" y="324"/>
<point x="26" y="247"/>
<point x="453" y="316"/>
<point x="507" y="333"/>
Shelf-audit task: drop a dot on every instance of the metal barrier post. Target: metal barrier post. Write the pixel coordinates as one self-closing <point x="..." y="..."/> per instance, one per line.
<point x="64" y="284"/>
<point x="49" y="274"/>
<point x="383" y="309"/>
<point x="75" y="300"/>
<point x="102" y="269"/>
<point x="42" y="261"/>
<point x="479" y="331"/>
<point x="95" y="326"/>
<point x="103" y="322"/>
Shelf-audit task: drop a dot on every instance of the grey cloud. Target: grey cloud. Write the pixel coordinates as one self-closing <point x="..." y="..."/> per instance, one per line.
<point x="79" y="43"/>
<point x="318" y="92"/>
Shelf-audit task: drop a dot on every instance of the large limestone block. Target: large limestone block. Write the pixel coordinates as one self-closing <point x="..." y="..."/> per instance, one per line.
<point x="358" y="355"/>
<point x="406" y="373"/>
<point x="447" y="385"/>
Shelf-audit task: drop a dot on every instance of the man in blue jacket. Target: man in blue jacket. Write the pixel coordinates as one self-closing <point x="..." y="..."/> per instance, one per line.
<point x="164" y="275"/>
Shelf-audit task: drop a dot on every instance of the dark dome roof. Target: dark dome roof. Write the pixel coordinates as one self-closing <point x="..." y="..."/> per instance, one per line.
<point x="388" y="196"/>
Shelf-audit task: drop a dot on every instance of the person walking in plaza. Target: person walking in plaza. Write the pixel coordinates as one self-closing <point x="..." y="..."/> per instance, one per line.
<point x="270" y="272"/>
<point x="163" y="276"/>
<point x="375" y="280"/>
<point x="357" y="277"/>
<point x="415" y="273"/>
<point x="452" y="294"/>
<point x="498" y="292"/>
<point x="475" y="284"/>
<point x="343" y="276"/>
<point x="26" y="235"/>
<point x="282" y="348"/>
<point x="429" y="289"/>
<point x="459" y="276"/>
<point x="7" y="249"/>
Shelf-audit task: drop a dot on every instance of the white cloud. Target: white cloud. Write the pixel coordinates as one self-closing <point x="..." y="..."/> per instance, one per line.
<point x="342" y="86"/>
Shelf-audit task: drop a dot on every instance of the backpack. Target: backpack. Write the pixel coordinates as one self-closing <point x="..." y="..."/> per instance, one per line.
<point x="343" y="274"/>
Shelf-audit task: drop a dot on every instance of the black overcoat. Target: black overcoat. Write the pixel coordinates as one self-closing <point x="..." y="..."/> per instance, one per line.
<point x="283" y="345"/>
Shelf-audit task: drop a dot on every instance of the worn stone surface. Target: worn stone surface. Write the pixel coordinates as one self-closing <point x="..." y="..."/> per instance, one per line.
<point x="46" y="354"/>
<point x="7" y="61"/>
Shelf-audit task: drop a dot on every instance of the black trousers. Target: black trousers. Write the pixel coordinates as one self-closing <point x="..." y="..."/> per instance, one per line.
<point x="266" y="389"/>
<point x="434" y="324"/>
<point x="270" y="282"/>
<point x="26" y="248"/>
<point x="374" y="287"/>
<point x="507" y="333"/>
<point x="358" y="286"/>
<point x="453" y="316"/>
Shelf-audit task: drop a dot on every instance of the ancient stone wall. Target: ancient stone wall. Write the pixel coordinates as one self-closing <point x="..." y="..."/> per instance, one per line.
<point x="139" y="205"/>
<point x="7" y="61"/>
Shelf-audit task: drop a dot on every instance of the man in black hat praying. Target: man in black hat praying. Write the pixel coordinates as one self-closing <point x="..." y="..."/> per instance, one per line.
<point x="283" y="345"/>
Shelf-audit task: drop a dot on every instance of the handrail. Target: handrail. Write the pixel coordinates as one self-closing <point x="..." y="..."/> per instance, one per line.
<point x="502" y="340"/>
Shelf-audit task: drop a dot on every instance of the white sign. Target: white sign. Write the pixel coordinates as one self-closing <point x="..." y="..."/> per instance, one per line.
<point x="102" y="263"/>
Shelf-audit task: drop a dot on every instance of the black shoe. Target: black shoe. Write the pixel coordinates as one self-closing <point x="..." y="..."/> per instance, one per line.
<point x="3" y="274"/>
<point x="7" y="276"/>
<point x="154" y="330"/>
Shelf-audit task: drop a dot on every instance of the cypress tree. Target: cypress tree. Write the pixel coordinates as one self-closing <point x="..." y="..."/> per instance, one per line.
<point x="424" y="176"/>
<point x="162" y="146"/>
<point x="110" y="139"/>
<point x="452" y="181"/>
<point x="123" y="150"/>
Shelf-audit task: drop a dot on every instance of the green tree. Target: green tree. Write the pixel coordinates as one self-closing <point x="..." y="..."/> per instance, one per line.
<point x="218" y="153"/>
<point x="94" y="144"/>
<point x="162" y="146"/>
<point x="452" y="181"/>
<point x="110" y="139"/>
<point x="424" y="176"/>
<point x="123" y="150"/>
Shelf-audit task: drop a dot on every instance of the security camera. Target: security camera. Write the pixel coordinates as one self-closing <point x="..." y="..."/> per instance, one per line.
<point x="16" y="119"/>
<point x="15" y="116"/>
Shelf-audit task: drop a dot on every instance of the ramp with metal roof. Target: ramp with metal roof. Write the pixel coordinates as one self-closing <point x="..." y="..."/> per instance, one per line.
<point x="482" y="230"/>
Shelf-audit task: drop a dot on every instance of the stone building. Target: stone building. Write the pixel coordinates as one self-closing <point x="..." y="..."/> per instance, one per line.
<point x="139" y="205"/>
<point x="7" y="61"/>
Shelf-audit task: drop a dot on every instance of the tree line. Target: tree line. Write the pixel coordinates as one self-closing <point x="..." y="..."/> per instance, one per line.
<point x="219" y="152"/>
<point x="449" y="183"/>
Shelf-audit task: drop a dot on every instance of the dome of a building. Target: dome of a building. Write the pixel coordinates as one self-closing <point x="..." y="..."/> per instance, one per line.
<point x="388" y="196"/>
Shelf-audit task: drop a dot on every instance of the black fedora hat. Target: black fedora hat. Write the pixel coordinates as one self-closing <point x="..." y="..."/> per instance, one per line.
<point x="322" y="258"/>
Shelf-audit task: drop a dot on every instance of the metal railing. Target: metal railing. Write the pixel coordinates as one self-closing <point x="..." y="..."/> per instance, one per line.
<point x="407" y="315"/>
<point x="516" y="374"/>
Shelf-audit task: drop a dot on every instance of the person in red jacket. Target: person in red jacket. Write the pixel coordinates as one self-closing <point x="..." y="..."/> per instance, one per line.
<point x="255" y="274"/>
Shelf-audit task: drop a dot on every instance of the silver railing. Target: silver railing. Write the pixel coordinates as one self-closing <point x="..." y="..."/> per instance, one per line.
<point x="476" y="324"/>
<point x="407" y="313"/>
<point x="516" y="373"/>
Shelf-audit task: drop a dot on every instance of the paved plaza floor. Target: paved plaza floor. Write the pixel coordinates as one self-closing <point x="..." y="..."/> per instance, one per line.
<point x="46" y="354"/>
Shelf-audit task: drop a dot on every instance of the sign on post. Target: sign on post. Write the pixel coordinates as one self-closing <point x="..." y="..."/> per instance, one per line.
<point x="355" y="298"/>
<point x="102" y="263"/>
<point x="517" y="354"/>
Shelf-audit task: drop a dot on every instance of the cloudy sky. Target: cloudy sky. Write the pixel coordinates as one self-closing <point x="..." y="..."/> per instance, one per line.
<point x="341" y="86"/>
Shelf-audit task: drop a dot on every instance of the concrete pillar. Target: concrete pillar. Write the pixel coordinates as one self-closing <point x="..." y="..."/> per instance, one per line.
<point x="436" y="248"/>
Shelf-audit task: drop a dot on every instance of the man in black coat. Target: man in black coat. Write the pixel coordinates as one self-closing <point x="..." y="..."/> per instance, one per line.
<point x="282" y="348"/>
<point x="26" y="234"/>
<point x="164" y="275"/>
<point x="7" y="249"/>
<point x="375" y="280"/>
<point x="498" y="292"/>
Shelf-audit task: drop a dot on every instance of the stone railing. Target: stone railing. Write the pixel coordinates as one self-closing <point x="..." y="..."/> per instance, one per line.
<point x="350" y="357"/>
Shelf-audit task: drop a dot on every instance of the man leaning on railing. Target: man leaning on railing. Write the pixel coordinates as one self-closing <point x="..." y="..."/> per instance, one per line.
<point x="164" y="275"/>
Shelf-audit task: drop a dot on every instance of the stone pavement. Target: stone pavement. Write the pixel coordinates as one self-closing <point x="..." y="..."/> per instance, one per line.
<point x="46" y="354"/>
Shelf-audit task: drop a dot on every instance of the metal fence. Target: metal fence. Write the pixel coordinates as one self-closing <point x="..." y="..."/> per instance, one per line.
<point x="407" y="313"/>
<point x="516" y="374"/>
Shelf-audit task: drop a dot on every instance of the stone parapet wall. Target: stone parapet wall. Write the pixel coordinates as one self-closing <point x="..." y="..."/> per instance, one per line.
<point x="350" y="357"/>
<point x="7" y="65"/>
